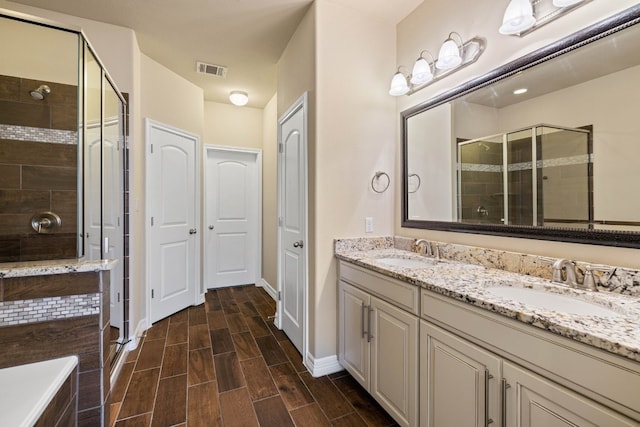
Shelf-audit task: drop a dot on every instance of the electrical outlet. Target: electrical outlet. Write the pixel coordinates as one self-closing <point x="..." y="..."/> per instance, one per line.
<point x="368" y="224"/>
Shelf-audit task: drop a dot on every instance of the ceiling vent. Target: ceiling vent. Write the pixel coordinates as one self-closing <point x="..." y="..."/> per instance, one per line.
<point x="214" y="70"/>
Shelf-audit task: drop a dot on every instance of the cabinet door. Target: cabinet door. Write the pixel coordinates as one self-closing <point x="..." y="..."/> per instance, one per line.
<point x="353" y="348"/>
<point x="534" y="401"/>
<point x="394" y="361"/>
<point x="459" y="381"/>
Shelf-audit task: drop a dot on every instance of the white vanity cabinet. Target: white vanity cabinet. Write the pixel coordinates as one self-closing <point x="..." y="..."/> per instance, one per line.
<point x="459" y="381"/>
<point x="481" y="369"/>
<point x="378" y="338"/>
<point x="533" y="401"/>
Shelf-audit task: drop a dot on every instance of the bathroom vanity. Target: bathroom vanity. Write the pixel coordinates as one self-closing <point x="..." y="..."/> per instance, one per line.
<point x="438" y="343"/>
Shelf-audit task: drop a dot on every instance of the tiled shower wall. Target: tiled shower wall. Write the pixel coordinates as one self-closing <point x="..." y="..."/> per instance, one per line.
<point x="58" y="315"/>
<point x="38" y="172"/>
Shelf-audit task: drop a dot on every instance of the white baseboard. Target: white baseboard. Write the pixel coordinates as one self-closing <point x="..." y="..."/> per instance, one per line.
<point x="199" y="299"/>
<point x="139" y="332"/>
<point x="267" y="287"/>
<point x="323" y="366"/>
<point x="115" y="369"/>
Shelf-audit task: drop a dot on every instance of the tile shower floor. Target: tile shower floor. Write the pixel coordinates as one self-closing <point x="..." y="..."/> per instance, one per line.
<point x="224" y="364"/>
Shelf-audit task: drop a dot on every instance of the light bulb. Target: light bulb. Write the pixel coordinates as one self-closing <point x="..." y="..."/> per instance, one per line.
<point x="399" y="85"/>
<point x="421" y="72"/>
<point x="449" y="56"/>
<point x="518" y="17"/>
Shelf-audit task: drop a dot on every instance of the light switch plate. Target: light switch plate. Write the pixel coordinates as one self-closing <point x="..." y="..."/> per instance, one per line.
<point x="368" y="224"/>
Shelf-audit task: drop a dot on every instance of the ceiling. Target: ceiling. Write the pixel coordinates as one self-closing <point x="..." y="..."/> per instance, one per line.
<point x="247" y="36"/>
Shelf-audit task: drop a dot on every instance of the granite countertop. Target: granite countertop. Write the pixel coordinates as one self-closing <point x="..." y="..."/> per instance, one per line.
<point x="469" y="283"/>
<point x="41" y="268"/>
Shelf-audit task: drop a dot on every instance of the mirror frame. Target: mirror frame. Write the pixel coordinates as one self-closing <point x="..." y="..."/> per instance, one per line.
<point x="601" y="29"/>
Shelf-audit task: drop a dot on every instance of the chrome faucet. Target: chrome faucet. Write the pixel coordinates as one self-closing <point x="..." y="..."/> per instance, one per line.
<point x="427" y="247"/>
<point x="570" y="272"/>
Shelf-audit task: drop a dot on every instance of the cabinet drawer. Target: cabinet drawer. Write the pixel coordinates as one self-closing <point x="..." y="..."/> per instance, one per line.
<point x="403" y="295"/>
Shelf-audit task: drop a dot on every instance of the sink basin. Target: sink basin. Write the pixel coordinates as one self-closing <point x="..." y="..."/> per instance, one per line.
<point x="549" y="301"/>
<point x="407" y="262"/>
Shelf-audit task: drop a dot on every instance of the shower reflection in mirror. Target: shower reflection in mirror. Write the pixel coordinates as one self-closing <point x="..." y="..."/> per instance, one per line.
<point x="540" y="176"/>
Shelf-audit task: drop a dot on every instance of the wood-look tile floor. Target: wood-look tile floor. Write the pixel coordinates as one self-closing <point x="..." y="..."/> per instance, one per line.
<point x="223" y="363"/>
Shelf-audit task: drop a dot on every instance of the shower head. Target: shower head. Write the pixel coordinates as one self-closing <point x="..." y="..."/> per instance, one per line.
<point x="40" y="93"/>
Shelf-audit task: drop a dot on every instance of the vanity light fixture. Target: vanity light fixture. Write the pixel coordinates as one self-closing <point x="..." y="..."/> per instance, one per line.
<point x="517" y="18"/>
<point x="238" y="97"/>
<point x="399" y="85"/>
<point x="450" y="55"/>
<point x="523" y="16"/>
<point x="453" y="55"/>
<point x="566" y="3"/>
<point x="422" y="69"/>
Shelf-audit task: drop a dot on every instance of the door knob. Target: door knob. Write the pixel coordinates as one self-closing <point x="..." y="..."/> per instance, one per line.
<point x="298" y="244"/>
<point x="192" y="231"/>
<point x="211" y="227"/>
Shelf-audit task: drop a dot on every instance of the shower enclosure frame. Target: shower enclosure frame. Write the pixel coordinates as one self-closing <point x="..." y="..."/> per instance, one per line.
<point x="85" y="46"/>
<point x="534" y="170"/>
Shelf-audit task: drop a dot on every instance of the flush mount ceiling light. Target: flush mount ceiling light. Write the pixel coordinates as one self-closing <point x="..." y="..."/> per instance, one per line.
<point x="520" y="91"/>
<point x="453" y="55"/>
<point x="523" y="16"/>
<point x="238" y="97"/>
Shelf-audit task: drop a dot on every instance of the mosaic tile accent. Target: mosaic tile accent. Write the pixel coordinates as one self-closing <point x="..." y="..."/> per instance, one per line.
<point x="39" y="310"/>
<point x="25" y="133"/>
<point x="548" y="163"/>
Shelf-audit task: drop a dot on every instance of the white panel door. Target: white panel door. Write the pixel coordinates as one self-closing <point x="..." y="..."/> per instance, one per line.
<point x="292" y="200"/>
<point x="172" y="258"/>
<point x="111" y="215"/>
<point x="93" y="193"/>
<point x="233" y="210"/>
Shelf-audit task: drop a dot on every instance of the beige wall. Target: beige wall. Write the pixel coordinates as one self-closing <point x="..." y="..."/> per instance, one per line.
<point x="28" y="58"/>
<point x="170" y="99"/>
<point x="426" y="28"/>
<point x="269" y="193"/>
<point x="232" y="126"/>
<point x="355" y="137"/>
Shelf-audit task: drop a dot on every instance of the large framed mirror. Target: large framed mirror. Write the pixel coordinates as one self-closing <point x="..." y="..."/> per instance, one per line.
<point x="544" y="147"/>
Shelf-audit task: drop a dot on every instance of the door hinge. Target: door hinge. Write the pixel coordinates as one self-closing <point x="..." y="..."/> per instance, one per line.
<point x="279" y="296"/>
<point x="280" y="221"/>
<point x="152" y="221"/>
<point x="280" y="148"/>
<point x="151" y="148"/>
<point x="118" y="296"/>
<point x="118" y="221"/>
<point x="152" y="294"/>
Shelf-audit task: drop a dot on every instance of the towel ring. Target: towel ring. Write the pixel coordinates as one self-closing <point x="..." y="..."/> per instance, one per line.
<point x="417" y="177"/>
<point x="376" y="178"/>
